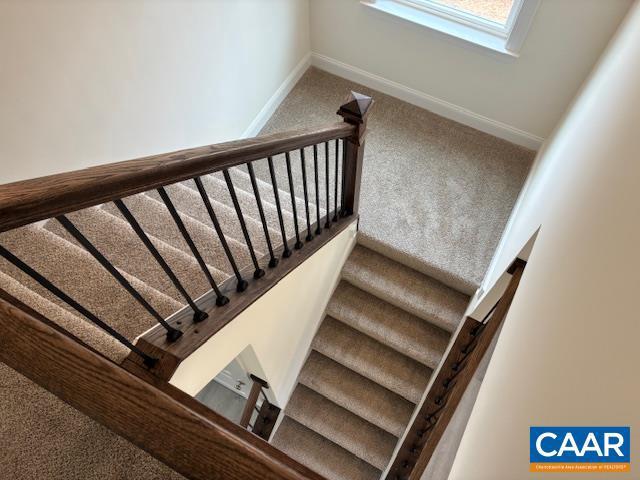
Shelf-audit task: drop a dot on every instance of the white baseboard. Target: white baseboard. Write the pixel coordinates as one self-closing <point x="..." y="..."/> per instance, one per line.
<point x="428" y="102"/>
<point x="276" y="99"/>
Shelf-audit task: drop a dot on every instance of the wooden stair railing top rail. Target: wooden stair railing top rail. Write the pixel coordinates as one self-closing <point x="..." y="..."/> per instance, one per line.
<point x="465" y="352"/>
<point x="42" y="198"/>
<point x="157" y="417"/>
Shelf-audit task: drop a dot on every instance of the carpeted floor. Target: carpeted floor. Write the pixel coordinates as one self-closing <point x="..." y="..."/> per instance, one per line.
<point x="41" y="437"/>
<point x="435" y="194"/>
<point x="435" y="197"/>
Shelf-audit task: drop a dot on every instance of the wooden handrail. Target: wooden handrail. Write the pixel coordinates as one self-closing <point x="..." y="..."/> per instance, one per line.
<point x="252" y="401"/>
<point x="169" y="425"/>
<point x="41" y="198"/>
<point x="465" y="352"/>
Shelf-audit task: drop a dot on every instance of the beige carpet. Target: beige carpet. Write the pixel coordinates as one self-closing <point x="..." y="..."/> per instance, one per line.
<point x="435" y="194"/>
<point x="386" y="329"/>
<point x="41" y="437"/>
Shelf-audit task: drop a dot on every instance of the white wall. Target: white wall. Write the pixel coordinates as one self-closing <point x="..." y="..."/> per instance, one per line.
<point x="91" y="82"/>
<point x="528" y="94"/>
<point x="568" y="353"/>
<point x="277" y="329"/>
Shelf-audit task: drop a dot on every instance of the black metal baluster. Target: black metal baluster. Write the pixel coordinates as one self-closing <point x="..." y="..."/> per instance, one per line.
<point x="274" y="183"/>
<point x="173" y="334"/>
<point x="303" y="164"/>
<point x="234" y="198"/>
<point x="326" y="178"/>
<point x="242" y="283"/>
<point x="220" y="298"/>
<point x="335" y="186"/>
<point x="273" y="261"/>
<point x="299" y="243"/>
<point x="343" y="210"/>
<point x="198" y="315"/>
<point x="148" y="361"/>
<point x="315" y="176"/>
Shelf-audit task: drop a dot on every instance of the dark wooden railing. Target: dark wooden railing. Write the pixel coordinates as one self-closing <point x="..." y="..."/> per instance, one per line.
<point x="41" y="198"/>
<point x="265" y="416"/>
<point x="465" y="352"/>
<point x="157" y="417"/>
<point x="173" y="339"/>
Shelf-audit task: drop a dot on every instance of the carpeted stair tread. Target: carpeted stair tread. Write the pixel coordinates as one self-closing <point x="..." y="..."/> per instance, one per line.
<point x="156" y="221"/>
<point x="405" y="288"/>
<point x="320" y="454"/>
<point x="73" y="324"/>
<point x="388" y="324"/>
<point x="189" y="203"/>
<point x="126" y="251"/>
<point x="76" y="272"/>
<point x="356" y="393"/>
<point x="242" y="180"/>
<point x="361" y="438"/>
<point x="372" y="359"/>
<point x="217" y="190"/>
<point x="262" y="172"/>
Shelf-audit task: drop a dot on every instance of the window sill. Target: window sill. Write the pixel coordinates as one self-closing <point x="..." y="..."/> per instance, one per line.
<point x="467" y="34"/>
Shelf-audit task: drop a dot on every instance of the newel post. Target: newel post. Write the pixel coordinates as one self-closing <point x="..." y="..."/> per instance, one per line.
<point x="355" y="112"/>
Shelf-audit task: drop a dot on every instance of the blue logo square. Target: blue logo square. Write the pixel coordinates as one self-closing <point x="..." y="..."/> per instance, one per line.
<point x="579" y="444"/>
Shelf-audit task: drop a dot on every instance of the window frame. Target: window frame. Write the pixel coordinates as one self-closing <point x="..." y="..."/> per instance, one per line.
<point x="504" y="39"/>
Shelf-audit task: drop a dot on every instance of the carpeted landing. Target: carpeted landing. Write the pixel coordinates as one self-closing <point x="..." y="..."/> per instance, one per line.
<point x="435" y="194"/>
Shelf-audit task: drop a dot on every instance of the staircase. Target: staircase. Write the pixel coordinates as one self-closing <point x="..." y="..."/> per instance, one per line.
<point x="386" y="329"/>
<point x="111" y="276"/>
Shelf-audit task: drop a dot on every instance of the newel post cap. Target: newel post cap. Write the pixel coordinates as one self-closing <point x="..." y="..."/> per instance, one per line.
<point x="356" y="108"/>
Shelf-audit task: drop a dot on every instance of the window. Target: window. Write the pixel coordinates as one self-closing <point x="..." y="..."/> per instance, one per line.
<point x="492" y="11"/>
<point x="499" y="25"/>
